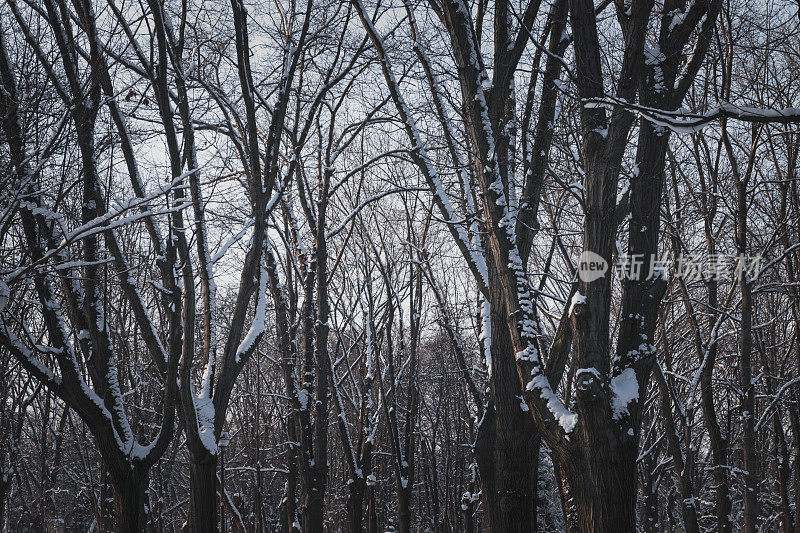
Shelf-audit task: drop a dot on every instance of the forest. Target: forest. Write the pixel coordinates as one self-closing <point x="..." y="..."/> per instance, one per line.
<point x="399" y="266"/>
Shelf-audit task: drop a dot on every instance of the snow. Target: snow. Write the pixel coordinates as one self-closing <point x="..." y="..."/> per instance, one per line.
<point x="565" y="418"/>
<point x="126" y="440"/>
<point x="302" y="397"/>
<point x="259" y="324"/>
<point x="577" y="299"/>
<point x="5" y="295"/>
<point x="224" y="248"/>
<point x="624" y="389"/>
<point x="592" y="370"/>
<point x="523" y="405"/>
<point x="677" y="19"/>
<point x="486" y="334"/>
<point x="27" y="353"/>
<point x="204" y="407"/>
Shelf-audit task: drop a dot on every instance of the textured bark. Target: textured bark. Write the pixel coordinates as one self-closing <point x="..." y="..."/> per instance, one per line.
<point x="372" y="515"/>
<point x="683" y="469"/>
<point x="651" y="507"/>
<point x="565" y="497"/>
<point x="719" y="445"/>
<point x="355" y="505"/>
<point x="130" y="498"/>
<point x="106" y="504"/>
<point x="312" y="504"/>
<point x="603" y="485"/>
<point x="795" y="425"/>
<point x="505" y="441"/>
<point x="289" y="503"/>
<point x="5" y="486"/>
<point x="783" y="468"/>
<point x="404" y="511"/>
<point x="203" y="499"/>
<point x="751" y="474"/>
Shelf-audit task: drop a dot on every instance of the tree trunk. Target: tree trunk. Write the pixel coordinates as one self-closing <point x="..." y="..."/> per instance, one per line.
<point x="467" y="510"/>
<point x="719" y="451"/>
<point x="651" y="522"/>
<point x="504" y="446"/>
<point x="404" y="510"/>
<point x="203" y="501"/>
<point x="683" y="469"/>
<point x="372" y="515"/>
<point x="355" y="505"/>
<point x="130" y="497"/>
<point x="289" y="504"/>
<point x="794" y="420"/>
<point x="784" y="473"/>
<point x="5" y="485"/>
<point x="746" y="371"/>
<point x="565" y="497"/>
<point x="603" y="486"/>
<point x="312" y="507"/>
<point x="106" y="504"/>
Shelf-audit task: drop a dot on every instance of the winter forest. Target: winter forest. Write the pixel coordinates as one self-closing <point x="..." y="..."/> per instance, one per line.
<point x="399" y="266"/>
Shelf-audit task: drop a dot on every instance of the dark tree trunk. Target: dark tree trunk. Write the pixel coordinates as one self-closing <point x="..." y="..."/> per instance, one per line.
<point x="467" y="509"/>
<point x="130" y="496"/>
<point x="312" y="507"/>
<point x="794" y="420"/>
<point x="719" y="446"/>
<point x="746" y="372"/>
<point x="404" y="510"/>
<point x="289" y="504"/>
<point x="504" y="447"/>
<point x="355" y="505"/>
<point x="683" y="469"/>
<point x="5" y="485"/>
<point x="565" y="497"/>
<point x="106" y="510"/>
<point x="784" y="473"/>
<point x="651" y="522"/>
<point x="372" y="516"/>
<point x="203" y="501"/>
<point x="316" y="472"/>
<point x="603" y="485"/>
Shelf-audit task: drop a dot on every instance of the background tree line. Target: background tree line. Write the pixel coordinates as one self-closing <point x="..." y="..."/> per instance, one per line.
<point x="346" y="233"/>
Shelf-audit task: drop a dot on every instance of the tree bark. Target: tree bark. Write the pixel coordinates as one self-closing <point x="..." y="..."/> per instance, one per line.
<point x="745" y="366"/>
<point x="203" y="500"/>
<point x="506" y="436"/>
<point x="651" y="523"/>
<point x="106" y="505"/>
<point x="5" y="485"/>
<point x="784" y="473"/>
<point x="372" y="516"/>
<point x="130" y="497"/>
<point x="565" y="497"/>
<point x="719" y="445"/>
<point x="289" y="504"/>
<point x="312" y="506"/>
<point x="404" y="511"/>
<point x="355" y="505"/>
<point x="682" y="468"/>
<point x="603" y="485"/>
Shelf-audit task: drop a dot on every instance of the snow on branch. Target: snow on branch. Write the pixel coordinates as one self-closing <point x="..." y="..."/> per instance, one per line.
<point x="685" y="122"/>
